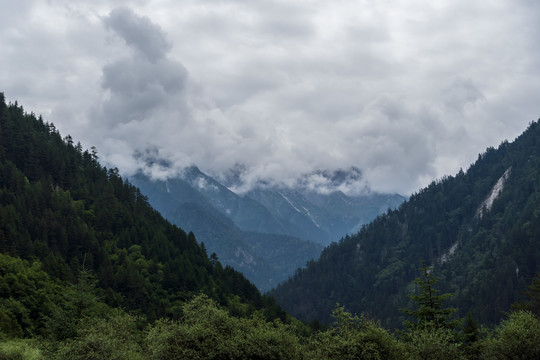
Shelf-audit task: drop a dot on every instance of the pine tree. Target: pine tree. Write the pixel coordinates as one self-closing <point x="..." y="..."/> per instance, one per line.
<point x="430" y="303"/>
<point x="533" y="294"/>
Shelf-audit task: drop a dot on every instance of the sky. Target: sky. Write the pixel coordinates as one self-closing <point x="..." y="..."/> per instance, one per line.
<point x="404" y="91"/>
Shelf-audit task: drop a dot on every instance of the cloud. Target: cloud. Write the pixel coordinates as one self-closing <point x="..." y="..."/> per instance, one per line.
<point x="138" y="88"/>
<point x="462" y="93"/>
<point x="139" y="32"/>
<point x="404" y="91"/>
<point x="145" y="81"/>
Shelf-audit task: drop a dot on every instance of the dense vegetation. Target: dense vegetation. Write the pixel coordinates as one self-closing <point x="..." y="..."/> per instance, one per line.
<point x="58" y="205"/>
<point x="268" y="232"/>
<point x="486" y="256"/>
<point x="264" y="259"/>
<point x="88" y="270"/>
<point x="80" y="327"/>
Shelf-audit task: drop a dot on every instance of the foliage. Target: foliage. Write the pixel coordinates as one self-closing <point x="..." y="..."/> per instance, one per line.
<point x="431" y="342"/>
<point x="58" y="205"/>
<point x="430" y="311"/>
<point x="76" y="305"/>
<point x="484" y="255"/>
<point x="208" y="332"/>
<point x="352" y="337"/>
<point x="27" y="295"/>
<point x="532" y="304"/>
<point x="113" y="338"/>
<point x="20" y="350"/>
<point x="517" y="337"/>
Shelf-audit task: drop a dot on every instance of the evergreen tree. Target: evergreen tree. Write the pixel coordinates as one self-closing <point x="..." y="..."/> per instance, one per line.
<point x="430" y="303"/>
<point x="533" y="293"/>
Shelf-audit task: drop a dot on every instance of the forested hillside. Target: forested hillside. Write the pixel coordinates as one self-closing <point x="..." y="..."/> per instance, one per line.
<point x="63" y="211"/>
<point x="485" y="251"/>
<point x="264" y="259"/>
<point x="88" y="270"/>
<point x="291" y="222"/>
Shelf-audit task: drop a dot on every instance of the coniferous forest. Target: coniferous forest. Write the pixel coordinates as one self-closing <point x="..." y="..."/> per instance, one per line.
<point x="480" y="229"/>
<point x="88" y="270"/>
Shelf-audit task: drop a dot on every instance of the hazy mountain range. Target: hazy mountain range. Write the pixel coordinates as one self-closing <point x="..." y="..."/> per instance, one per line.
<point x="268" y="231"/>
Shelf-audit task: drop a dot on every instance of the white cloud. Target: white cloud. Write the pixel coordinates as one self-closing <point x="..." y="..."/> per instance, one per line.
<point x="406" y="91"/>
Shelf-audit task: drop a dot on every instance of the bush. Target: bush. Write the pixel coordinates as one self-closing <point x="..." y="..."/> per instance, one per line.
<point x="431" y="342"/>
<point x="352" y="337"/>
<point x="208" y="332"/>
<point x="517" y="337"/>
<point x="112" y="339"/>
<point x="20" y="350"/>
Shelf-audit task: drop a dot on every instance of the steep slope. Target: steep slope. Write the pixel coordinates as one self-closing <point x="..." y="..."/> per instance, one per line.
<point x="192" y="203"/>
<point x="485" y="251"/>
<point x="59" y="205"/>
<point x="230" y="225"/>
<point x="323" y="217"/>
<point x="290" y="206"/>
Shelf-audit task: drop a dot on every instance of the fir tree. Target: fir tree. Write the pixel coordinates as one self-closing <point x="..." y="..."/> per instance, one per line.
<point x="430" y="309"/>
<point x="533" y="294"/>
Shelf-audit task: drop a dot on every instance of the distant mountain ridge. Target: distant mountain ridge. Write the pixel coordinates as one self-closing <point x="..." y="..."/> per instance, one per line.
<point x="298" y="221"/>
<point x="480" y="229"/>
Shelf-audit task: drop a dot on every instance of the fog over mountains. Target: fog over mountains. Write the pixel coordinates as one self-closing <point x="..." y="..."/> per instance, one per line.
<point x="270" y="230"/>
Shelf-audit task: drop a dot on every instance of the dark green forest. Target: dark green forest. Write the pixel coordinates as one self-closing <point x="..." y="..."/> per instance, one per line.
<point x="60" y="207"/>
<point x="485" y="256"/>
<point x="88" y="270"/>
<point x="265" y="259"/>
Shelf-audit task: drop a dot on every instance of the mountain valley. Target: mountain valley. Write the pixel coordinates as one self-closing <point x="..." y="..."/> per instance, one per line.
<point x="292" y="224"/>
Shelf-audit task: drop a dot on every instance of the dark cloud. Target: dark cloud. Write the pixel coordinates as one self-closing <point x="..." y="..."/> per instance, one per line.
<point x="349" y="181"/>
<point x="461" y="93"/>
<point x="138" y="86"/>
<point x="139" y="33"/>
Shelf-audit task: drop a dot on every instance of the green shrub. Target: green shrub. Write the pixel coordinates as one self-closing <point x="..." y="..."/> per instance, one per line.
<point x="431" y="342"/>
<point x="208" y="332"/>
<point x="112" y="339"/>
<point x="352" y="337"/>
<point x="517" y="337"/>
<point x="20" y="350"/>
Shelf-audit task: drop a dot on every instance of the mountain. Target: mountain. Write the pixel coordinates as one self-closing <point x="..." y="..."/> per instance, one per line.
<point x="479" y="229"/>
<point x="199" y="203"/>
<point x="68" y="215"/>
<point x="321" y="206"/>
<point x="293" y="223"/>
<point x="323" y="217"/>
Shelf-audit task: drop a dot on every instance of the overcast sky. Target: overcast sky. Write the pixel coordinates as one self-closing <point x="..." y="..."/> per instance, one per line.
<point x="407" y="91"/>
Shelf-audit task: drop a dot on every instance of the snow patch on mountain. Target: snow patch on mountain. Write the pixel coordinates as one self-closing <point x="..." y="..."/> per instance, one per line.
<point x="290" y="202"/>
<point x="311" y="217"/>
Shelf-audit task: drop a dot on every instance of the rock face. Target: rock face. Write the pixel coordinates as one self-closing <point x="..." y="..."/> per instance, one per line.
<point x="495" y="192"/>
